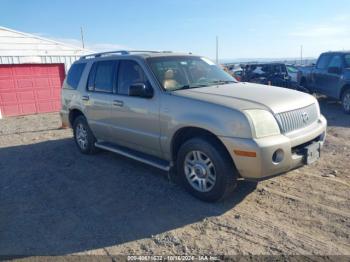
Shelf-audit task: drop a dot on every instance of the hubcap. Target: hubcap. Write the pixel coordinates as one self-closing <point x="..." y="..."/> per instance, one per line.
<point x="82" y="136"/>
<point x="200" y="171"/>
<point x="346" y="102"/>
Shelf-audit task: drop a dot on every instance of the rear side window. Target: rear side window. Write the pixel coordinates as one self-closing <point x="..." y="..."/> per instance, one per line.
<point x="74" y="75"/>
<point x="323" y="61"/>
<point x="101" y="78"/>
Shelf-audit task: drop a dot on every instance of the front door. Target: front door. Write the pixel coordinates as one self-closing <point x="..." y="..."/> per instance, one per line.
<point x="135" y="120"/>
<point x="332" y="77"/>
<point x="320" y="72"/>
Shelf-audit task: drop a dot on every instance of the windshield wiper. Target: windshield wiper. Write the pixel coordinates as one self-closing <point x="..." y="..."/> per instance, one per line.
<point x="191" y="86"/>
<point x="222" y="82"/>
<point x="217" y="82"/>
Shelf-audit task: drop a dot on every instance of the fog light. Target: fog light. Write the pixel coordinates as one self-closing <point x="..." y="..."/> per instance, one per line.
<point x="278" y="156"/>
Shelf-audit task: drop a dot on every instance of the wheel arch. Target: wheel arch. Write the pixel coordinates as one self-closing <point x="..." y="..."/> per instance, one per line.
<point x="73" y="114"/>
<point x="185" y="133"/>
<point x="344" y="88"/>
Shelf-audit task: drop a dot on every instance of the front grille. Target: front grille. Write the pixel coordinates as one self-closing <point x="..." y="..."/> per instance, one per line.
<point x="296" y="119"/>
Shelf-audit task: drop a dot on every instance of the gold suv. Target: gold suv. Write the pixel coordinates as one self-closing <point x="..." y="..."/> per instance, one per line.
<point x="181" y="112"/>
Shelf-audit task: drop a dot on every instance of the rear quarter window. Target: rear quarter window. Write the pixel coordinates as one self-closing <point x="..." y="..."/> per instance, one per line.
<point x="74" y="75"/>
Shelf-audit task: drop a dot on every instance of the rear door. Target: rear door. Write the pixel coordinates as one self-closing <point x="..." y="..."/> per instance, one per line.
<point x="98" y="97"/>
<point x="135" y="120"/>
<point x="319" y="74"/>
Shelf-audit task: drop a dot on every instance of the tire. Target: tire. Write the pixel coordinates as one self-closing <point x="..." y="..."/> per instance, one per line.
<point x="83" y="136"/>
<point x="222" y="166"/>
<point x="345" y="99"/>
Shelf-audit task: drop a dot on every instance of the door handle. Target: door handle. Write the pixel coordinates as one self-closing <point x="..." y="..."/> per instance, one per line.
<point x="118" y="103"/>
<point x="85" y="98"/>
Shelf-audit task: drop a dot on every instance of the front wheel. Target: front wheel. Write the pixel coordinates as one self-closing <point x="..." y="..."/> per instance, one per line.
<point x="346" y="101"/>
<point x="206" y="169"/>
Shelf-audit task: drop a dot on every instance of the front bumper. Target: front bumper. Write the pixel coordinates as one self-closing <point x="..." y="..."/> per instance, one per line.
<point x="262" y="165"/>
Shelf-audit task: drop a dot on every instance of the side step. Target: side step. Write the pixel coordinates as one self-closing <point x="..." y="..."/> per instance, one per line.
<point x="144" y="158"/>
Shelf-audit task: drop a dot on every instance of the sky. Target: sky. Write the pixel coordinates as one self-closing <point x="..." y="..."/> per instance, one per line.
<point x="245" y="29"/>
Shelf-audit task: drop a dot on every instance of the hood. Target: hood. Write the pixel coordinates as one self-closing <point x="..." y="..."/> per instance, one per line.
<point x="250" y="96"/>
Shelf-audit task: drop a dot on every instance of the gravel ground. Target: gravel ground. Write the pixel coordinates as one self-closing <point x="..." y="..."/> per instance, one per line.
<point x="56" y="201"/>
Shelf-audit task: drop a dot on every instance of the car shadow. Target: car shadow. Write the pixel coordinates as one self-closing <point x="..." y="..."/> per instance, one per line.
<point x="56" y="201"/>
<point x="333" y="112"/>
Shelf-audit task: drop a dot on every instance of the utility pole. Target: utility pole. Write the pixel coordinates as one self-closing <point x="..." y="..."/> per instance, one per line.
<point x="82" y="36"/>
<point x="301" y="54"/>
<point x="217" y="50"/>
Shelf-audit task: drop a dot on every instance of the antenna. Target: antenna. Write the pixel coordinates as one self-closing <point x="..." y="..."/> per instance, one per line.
<point x="217" y="50"/>
<point x="82" y="36"/>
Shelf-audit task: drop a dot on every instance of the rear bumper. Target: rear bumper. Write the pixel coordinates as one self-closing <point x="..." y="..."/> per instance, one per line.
<point x="65" y="118"/>
<point x="261" y="165"/>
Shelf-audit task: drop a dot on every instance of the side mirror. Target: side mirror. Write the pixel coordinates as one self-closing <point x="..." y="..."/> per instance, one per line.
<point x="141" y="90"/>
<point x="334" y="70"/>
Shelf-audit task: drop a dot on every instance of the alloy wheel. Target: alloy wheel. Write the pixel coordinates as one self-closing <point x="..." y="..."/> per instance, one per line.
<point x="200" y="171"/>
<point x="346" y="102"/>
<point x="82" y="136"/>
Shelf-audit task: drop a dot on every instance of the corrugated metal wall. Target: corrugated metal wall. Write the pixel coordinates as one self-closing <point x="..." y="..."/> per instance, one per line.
<point x="22" y="48"/>
<point x="66" y="60"/>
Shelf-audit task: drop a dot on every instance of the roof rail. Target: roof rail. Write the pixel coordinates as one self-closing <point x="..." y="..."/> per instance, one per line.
<point x="119" y="52"/>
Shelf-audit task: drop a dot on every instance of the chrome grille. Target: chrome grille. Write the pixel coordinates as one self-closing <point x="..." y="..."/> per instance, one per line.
<point x="296" y="119"/>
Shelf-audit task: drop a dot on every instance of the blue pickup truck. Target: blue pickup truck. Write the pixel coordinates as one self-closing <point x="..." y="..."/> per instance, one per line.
<point x="330" y="76"/>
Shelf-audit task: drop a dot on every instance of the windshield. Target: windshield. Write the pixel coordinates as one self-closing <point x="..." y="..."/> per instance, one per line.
<point x="292" y="69"/>
<point x="183" y="72"/>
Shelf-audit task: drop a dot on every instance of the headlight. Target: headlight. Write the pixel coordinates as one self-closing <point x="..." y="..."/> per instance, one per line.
<point x="264" y="123"/>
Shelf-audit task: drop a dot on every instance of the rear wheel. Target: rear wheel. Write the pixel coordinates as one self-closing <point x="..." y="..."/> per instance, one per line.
<point x="84" y="138"/>
<point x="206" y="170"/>
<point x="346" y="101"/>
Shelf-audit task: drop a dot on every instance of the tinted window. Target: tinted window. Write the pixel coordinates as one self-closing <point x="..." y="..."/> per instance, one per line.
<point x="336" y="61"/>
<point x="323" y="61"/>
<point x="130" y="73"/>
<point x="91" y="80"/>
<point x="104" y="76"/>
<point x="74" y="75"/>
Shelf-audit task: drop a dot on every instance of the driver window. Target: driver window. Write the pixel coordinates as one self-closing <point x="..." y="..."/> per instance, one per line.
<point x="336" y="62"/>
<point x="130" y="72"/>
<point x="323" y="61"/>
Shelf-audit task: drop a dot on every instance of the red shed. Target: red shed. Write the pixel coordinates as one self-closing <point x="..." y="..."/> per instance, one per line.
<point x="32" y="69"/>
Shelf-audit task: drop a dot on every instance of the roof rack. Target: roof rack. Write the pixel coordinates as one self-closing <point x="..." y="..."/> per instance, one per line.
<point x="120" y="52"/>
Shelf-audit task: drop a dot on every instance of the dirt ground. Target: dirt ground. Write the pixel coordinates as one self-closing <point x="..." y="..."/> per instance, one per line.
<point x="56" y="201"/>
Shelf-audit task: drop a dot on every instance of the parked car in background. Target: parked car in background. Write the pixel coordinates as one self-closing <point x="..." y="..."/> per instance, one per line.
<point x="183" y="112"/>
<point x="237" y="73"/>
<point x="330" y="76"/>
<point x="275" y="74"/>
<point x="294" y="73"/>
